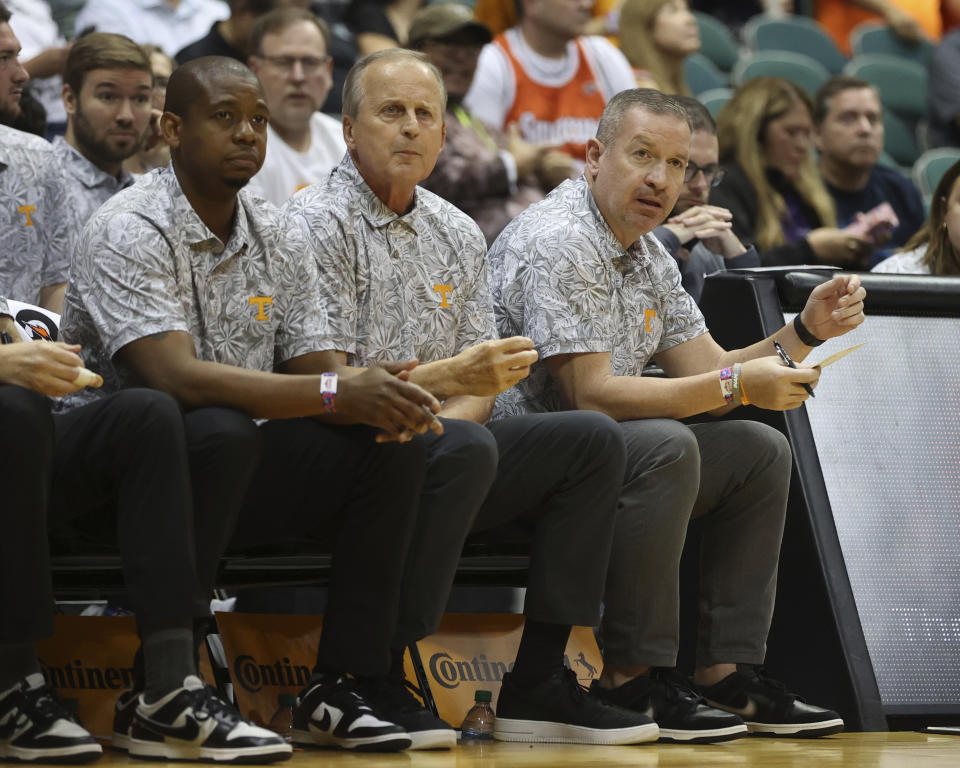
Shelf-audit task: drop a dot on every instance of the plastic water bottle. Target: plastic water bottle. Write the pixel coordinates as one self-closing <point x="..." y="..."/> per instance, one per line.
<point x="282" y="720"/>
<point x="478" y="724"/>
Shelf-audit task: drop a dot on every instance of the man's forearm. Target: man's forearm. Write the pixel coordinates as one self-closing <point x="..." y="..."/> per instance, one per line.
<point x="438" y="378"/>
<point x="468" y="408"/>
<point x="627" y="398"/>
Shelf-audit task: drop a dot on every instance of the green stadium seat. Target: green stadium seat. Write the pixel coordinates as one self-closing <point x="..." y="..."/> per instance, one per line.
<point x="717" y="42"/>
<point x="702" y="74"/>
<point x="876" y="37"/>
<point x="795" y="34"/>
<point x="930" y="167"/>
<point x="800" y="70"/>
<point x="715" y="99"/>
<point x="902" y="83"/>
<point x="899" y="140"/>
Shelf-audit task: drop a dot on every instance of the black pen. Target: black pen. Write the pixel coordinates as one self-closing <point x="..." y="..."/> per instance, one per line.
<point x="789" y="361"/>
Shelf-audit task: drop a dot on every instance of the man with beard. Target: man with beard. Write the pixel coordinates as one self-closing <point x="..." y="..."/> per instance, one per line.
<point x="290" y="56"/>
<point x="107" y="96"/>
<point x="34" y="267"/>
<point x="848" y="134"/>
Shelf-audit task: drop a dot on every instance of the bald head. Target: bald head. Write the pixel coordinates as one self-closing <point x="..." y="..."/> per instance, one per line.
<point x="192" y="84"/>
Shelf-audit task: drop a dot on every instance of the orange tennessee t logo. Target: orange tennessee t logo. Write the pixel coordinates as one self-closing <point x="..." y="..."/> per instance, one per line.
<point x="27" y="209"/>
<point x="261" y="302"/>
<point x="444" y="290"/>
<point x="649" y="315"/>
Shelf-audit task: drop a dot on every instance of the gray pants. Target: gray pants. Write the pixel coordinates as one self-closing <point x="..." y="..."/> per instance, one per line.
<point x="736" y="475"/>
<point x="555" y="476"/>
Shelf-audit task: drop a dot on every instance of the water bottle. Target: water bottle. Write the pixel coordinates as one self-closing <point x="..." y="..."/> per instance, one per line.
<point x="282" y="720"/>
<point x="478" y="724"/>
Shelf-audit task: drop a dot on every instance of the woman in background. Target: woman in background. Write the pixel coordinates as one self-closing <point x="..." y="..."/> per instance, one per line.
<point x="656" y="36"/>
<point x="772" y="186"/>
<point x="935" y="249"/>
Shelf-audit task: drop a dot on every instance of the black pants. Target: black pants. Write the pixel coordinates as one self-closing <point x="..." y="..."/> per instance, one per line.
<point x="338" y="485"/>
<point x="122" y="460"/>
<point x="555" y="477"/>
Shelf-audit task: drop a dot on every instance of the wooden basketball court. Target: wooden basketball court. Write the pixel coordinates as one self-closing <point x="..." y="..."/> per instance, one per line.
<point x="848" y="750"/>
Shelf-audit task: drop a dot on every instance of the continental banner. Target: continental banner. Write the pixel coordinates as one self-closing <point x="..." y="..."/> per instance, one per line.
<point x="268" y="654"/>
<point x="472" y="651"/>
<point x="89" y="660"/>
<point x="271" y="654"/>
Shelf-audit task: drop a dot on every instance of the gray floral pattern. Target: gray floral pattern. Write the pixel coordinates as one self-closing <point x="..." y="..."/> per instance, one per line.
<point x="145" y="264"/>
<point x="562" y="278"/>
<point x="85" y="186"/>
<point x="33" y="229"/>
<point x="395" y="287"/>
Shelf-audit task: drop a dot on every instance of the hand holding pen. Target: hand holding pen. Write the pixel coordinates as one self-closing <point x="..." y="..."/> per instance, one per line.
<point x="789" y="361"/>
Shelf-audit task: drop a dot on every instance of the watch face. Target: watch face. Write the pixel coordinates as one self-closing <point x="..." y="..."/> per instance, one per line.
<point x="328" y="382"/>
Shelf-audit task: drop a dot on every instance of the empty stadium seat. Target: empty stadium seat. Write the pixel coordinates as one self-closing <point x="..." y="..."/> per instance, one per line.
<point x="796" y="34"/>
<point x="800" y="70"/>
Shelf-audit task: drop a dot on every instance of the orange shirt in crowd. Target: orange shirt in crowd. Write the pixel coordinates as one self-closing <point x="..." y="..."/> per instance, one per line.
<point x="500" y="15"/>
<point x="840" y="17"/>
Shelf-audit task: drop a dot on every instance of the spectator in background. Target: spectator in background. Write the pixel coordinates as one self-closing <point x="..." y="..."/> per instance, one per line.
<point x="911" y="20"/>
<point x="108" y="99"/>
<point x="231" y="36"/>
<point x="169" y="24"/>
<point x="848" y="134"/>
<point x="547" y="78"/>
<point x="935" y="249"/>
<point x="656" y="36"/>
<point x="944" y="92"/>
<point x="380" y="24"/>
<point x="44" y="55"/>
<point x="700" y="236"/>
<point x="771" y="184"/>
<point x="155" y="153"/>
<point x="289" y="54"/>
<point x="34" y="235"/>
<point x="488" y="175"/>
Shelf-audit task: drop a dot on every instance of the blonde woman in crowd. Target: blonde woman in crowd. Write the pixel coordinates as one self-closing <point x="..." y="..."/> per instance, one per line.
<point x="772" y="186"/>
<point x="656" y="36"/>
<point x="935" y="249"/>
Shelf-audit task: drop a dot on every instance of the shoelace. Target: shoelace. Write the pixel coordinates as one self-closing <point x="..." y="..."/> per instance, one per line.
<point x="207" y="703"/>
<point x="678" y="687"/>
<point x="759" y="674"/>
<point x="44" y="703"/>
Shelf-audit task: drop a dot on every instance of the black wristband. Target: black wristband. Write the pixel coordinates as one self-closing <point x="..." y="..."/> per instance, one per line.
<point x="805" y="336"/>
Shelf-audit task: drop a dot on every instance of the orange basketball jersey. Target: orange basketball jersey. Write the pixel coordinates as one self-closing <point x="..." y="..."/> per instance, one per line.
<point x="566" y="115"/>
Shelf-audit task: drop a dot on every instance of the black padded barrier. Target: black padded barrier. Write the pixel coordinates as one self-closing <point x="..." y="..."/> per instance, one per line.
<point x="868" y="607"/>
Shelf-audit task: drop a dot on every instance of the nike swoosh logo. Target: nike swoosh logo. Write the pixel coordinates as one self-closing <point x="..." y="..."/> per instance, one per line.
<point x="748" y="711"/>
<point x="186" y="732"/>
<point x="324" y="722"/>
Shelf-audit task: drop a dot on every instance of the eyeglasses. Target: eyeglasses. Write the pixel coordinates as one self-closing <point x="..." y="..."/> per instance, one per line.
<point x="713" y="174"/>
<point x="309" y="64"/>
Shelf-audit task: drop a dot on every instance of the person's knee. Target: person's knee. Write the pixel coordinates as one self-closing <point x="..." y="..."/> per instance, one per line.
<point x="26" y="422"/>
<point x="598" y="437"/>
<point x="665" y="447"/>
<point x="224" y="437"/>
<point x="468" y="447"/>
<point x="770" y="448"/>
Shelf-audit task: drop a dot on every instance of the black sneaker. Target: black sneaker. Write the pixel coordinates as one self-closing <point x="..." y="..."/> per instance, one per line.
<point x="673" y="702"/>
<point x="331" y="712"/>
<point x="35" y="726"/>
<point x="768" y="708"/>
<point x="194" y="723"/>
<point x="560" y="710"/>
<point x="123" y="712"/>
<point x="392" y="698"/>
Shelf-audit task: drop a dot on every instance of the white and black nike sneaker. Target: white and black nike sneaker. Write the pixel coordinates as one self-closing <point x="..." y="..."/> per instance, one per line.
<point x="331" y="712"/>
<point x="194" y="723"/>
<point x="768" y="708"/>
<point x="392" y="697"/>
<point x="123" y="712"/>
<point x="36" y="727"/>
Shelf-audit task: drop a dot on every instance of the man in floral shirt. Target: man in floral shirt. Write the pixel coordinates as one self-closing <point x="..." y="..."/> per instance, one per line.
<point x="600" y="297"/>
<point x="404" y="277"/>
